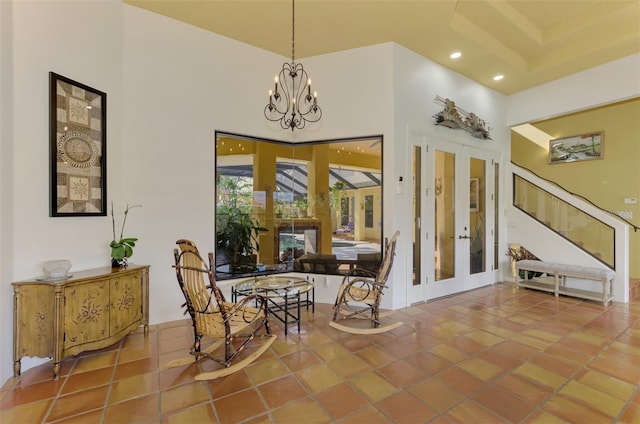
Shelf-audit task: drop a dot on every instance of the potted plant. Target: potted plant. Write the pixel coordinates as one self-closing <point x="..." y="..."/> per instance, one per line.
<point x="122" y="248"/>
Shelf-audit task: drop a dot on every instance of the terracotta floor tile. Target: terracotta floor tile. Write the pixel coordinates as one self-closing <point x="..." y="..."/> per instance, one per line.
<point x="284" y="346"/>
<point x="470" y="412"/>
<point x="370" y="415"/>
<point x="504" y="404"/>
<point x="402" y="374"/>
<point x="481" y="369"/>
<point x="140" y="366"/>
<point x="265" y="371"/>
<point x="303" y="411"/>
<point x="597" y="399"/>
<point x="94" y="416"/>
<point x="331" y="350"/>
<point x="500" y="359"/>
<point x="542" y="417"/>
<point x="301" y="359"/>
<point x="375" y="356"/>
<point x="485" y="338"/>
<point x="79" y="402"/>
<point x="171" y="377"/>
<point x="427" y="362"/>
<point x="447" y="352"/>
<point x="540" y="375"/>
<point x="31" y="393"/>
<point x="403" y="407"/>
<point x="236" y="382"/>
<point x="202" y="413"/>
<point x="348" y="366"/>
<point x="460" y="380"/>
<point x="318" y="377"/>
<point x="282" y="391"/>
<point x="341" y="400"/>
<point x="239" y="406"/>
<point x="138" y="385"/>
<point x="373" y="386"/>
<point x="183" y="396"/>
<point x="99" y="360"/>
<point x="573" y="411"/>
<point x="621" y="370"/>
<point x="524" y="388"/>
<point x="465" y="344"/>
<point x="631" y="414"/>
<point x="87" y="380"/>
<point x="554" y="364"/>
<point x="355" y="343"/>
<point x="436" y="394"/>
<point x="28" y="413"/>
<point x="142" y="409"/>
<point x="615" y="387"/>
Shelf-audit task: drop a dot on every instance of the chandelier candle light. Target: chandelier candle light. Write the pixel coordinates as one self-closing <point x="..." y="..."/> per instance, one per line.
<point x="291" y="102"/>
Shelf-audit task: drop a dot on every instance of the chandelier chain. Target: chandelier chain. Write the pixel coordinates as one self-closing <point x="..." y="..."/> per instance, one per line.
<point x="292" y="103"/>
<point x="293" y="31"/>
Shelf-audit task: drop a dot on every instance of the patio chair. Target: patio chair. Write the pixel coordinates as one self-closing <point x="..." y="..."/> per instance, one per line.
<point x="360" y="294"/>
<point x="234" y="325"/>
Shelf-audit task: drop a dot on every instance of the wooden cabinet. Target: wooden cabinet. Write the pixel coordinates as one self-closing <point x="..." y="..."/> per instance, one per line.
<point x="91" y="310"/>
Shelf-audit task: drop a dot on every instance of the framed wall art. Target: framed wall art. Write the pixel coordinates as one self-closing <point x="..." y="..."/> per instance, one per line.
<point x="78" y="154"/>
<point x="576" y="148"/>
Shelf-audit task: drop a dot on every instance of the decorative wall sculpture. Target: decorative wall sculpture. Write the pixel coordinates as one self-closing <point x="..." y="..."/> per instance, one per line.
<point x="454" y="117"/>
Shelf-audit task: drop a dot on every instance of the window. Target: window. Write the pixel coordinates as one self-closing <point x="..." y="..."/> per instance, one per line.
<point x="280" y="206"/>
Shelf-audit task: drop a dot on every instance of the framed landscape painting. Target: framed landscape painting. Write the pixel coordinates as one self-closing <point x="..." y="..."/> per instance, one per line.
<point x="77" y="149"/>
<point x="577" y="148"/>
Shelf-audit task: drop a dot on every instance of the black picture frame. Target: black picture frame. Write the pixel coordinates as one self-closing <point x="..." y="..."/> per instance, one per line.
<point x="77" y="149"/>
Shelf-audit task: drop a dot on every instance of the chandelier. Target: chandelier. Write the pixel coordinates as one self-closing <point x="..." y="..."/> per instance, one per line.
<point x="291" y="102"/>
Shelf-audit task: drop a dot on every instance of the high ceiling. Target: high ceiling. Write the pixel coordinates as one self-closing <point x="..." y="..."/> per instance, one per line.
<point x="530" y="42"/>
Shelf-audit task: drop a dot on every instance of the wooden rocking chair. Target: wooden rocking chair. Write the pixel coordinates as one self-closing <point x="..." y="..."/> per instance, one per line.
<point x="233" y="324"/>
<point x="360" y="294"/>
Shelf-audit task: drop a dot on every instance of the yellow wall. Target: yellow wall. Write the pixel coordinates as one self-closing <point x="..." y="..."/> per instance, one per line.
<point x="605" y="182"/>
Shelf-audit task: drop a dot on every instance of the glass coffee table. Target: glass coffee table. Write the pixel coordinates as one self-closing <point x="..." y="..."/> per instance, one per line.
<point x="285" y="295"/>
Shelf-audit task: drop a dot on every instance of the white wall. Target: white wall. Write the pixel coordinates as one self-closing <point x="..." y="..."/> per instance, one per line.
<point x="605" y="84"/>
<point x="416" y="83"/>
<point x="82" y="41"/>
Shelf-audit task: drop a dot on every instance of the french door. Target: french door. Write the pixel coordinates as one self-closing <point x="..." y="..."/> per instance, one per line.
<point x="454" y="233"/>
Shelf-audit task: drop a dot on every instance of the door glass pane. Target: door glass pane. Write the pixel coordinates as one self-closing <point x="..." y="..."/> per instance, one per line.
<point x="445" y="260"/>
<point x="417" y="199"/>
<point x="496" y="226"/>
<point x="477" y="211"/>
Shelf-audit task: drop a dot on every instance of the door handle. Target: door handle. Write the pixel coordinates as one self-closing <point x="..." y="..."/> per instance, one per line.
<point x="464" y="237"/>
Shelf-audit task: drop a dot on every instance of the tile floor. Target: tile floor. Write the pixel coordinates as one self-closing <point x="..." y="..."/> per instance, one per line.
<point x="493" y="355"/>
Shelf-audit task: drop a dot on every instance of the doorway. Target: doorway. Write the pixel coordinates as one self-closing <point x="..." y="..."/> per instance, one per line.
<point x="454" y="220"/>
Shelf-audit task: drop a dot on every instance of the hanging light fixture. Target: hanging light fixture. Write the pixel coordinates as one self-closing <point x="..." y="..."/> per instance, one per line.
<point x="292" y="103"/>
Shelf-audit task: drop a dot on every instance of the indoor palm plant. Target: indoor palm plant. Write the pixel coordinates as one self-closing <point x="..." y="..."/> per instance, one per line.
<point x="122" y="248"/>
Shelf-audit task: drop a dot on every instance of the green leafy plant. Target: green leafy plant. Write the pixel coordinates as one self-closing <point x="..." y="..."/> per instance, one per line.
<point x="237" y="237"/>
<point x="122" y="248"/>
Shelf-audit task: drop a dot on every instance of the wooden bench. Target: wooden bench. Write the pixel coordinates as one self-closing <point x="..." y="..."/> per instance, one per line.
<point x="553" y="279"/>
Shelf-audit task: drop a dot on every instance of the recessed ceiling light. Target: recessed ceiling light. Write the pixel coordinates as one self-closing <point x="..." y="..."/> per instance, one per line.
<point x="498" y="77"/>
<point x="455" y="55"/>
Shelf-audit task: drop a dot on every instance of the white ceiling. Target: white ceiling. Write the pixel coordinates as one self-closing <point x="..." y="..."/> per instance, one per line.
<point x="530" y="42"/>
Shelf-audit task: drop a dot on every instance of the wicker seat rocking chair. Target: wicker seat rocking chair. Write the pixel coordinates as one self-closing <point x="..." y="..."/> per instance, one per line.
<point x="234" y="325"/>
<point x="360" y="294"/>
